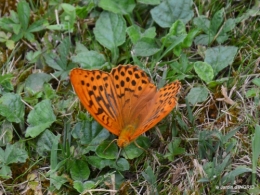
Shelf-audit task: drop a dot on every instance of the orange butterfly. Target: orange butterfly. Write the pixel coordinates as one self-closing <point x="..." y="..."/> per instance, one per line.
<point x="125" y="102"/>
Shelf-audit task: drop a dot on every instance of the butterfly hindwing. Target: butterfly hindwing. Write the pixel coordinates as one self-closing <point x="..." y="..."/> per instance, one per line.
<point x="161" y="105"/>
<point x="133" y="89"/>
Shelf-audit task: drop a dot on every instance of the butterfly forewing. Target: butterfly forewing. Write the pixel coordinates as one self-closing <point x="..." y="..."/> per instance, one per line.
<point x="96" y="92"/>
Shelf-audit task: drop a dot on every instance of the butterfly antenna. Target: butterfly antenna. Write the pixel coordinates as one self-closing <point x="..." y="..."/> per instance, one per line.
<point x="120" y="150"/>
<point x="140" y="147"/>
<point x="118" y="155"/>
<point x="110" y="144"/>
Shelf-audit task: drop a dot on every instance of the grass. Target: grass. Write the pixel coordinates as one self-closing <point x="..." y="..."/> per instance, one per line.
<point x="209" y="144"/>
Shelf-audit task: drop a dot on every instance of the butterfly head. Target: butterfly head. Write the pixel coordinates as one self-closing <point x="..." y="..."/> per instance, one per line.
<point x="122" y="142"/>
<point x="125" y="136"/>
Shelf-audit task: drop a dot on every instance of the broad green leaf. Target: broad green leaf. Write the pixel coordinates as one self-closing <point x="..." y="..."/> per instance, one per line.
<point x="12" y="107"/>
<point x="5" y="171"/>
<point x="5" y="23"/>
<point x="204" y="71"/>
<point x="203" y="39"/>
<point x="89" y="59"/>
<point x="2" y="156"/>
<point x="150" y="177"/>
<point x="49" y="92"/>
<point x="229" y="25"/>
<point x="12" y="154"/>
<point x="149" y="33"/>
<point x="197" y="94"/>
<point x="32" y="57"/>
<point x="35" y="82"/>
<point x="17" y="31"/>
<point x="81" y="48"/>
<point x="222" y="37"/>
<point x="178" y="28"/>
<point x="107" y="150"/>
<point x="136" y="148"/>
<point x="220" y="57"/>
<point x="82" y="186"/>
<point x="117" y="6"/>
<point x="134" y="32"/>
<point x="217" y="26"/>
<point x="68" y="18"/>
<point x="149" y="2"/>
<point x="68" y="8"/>
<point x="6" y="38"/>
<point x="90" y="134"/>
<point x="29" y="36"/>
<point x="177" y="50"/>
<point x="59" y="61"/>
<point x="252" y="92"/>
<point x="174" y="39"/>
<point x="110" y="30"/>
<point x="10" y="44"/>
<point x="176" y="35"/>
<point x="82" y="12"/>
<point x="14" y="17"/>
<point x="121" y="164"/>
<point x="45" y="142"/>
<point x="79" y="170"/>
<point x="64" y="51"/>
<point x="172" y="42"/>
<point x="203" y="23"/>
<point x="256" y="81"/>
<point x="23" y="11"/>
<point x="57" y="181"/>
<point x="182" y="68"/>
<point x="6" y="132"/>
<point x="40" y="118"/>
<point x="38" y="26"/>
<point x="145" y="47"/>
<point x="187" y="42"/>
<point x="99" y="162"/>
<point x="3" y="36"/>
<point x="169" y="11"/>
<point x="54" y="61"/>
<point x="217" y="21"/>
<point x="174" y="149"/>
<point x="215" y="29"/>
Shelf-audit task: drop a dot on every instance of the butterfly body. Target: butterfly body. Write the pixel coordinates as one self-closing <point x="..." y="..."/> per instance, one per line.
<point x="124" y="101"/>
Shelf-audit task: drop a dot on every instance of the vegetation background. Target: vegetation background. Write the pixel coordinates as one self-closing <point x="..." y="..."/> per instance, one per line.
<point x="209" y="144"/>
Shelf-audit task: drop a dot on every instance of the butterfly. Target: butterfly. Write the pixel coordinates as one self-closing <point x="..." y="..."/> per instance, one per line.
<point x="124" y="101"/>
